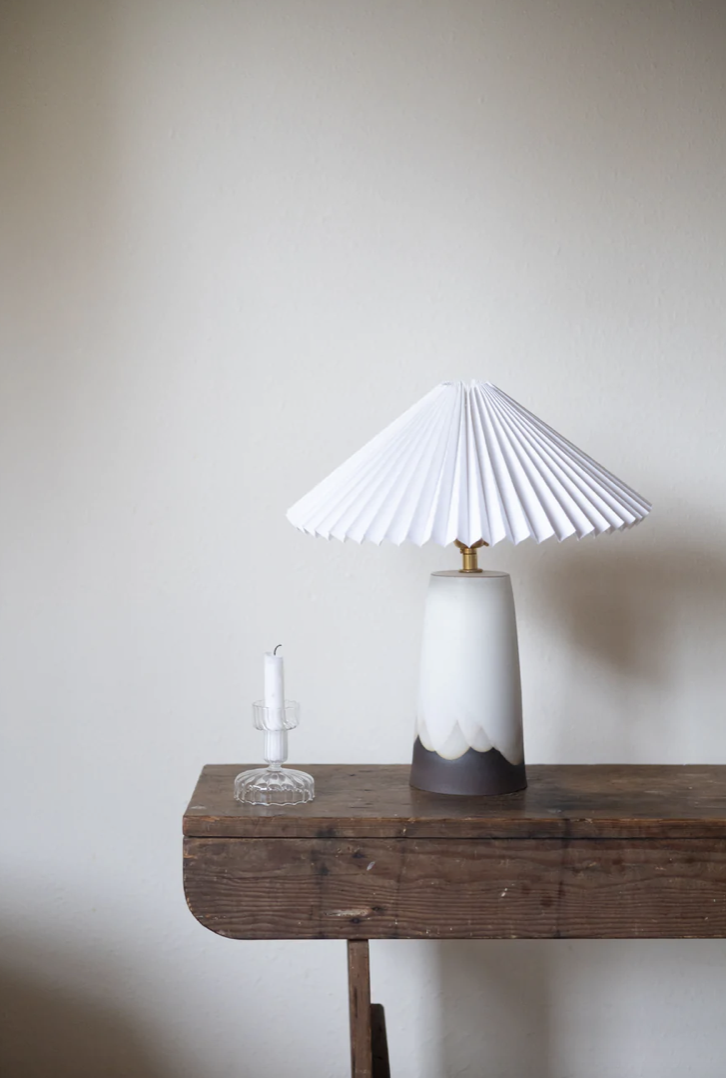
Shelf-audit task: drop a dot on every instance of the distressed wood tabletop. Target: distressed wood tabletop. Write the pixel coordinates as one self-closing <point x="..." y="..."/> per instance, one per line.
<point x="605" y="851"/>
<point x="578" y="801"/>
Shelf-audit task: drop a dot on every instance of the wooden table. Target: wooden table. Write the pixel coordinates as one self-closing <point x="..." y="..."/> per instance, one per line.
<point x="603" y="852"/>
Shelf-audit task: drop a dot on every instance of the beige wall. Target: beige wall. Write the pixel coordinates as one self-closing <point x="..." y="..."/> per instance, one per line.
<point x="237" y="239"/>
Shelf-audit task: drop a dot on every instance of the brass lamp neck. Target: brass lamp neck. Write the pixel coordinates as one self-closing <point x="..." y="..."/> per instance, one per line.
<point x="470" y="563"/>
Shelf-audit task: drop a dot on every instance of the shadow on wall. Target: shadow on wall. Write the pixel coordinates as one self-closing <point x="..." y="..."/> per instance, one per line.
<point x="630" y="619"/>
<point x="51" y="1032"/>
<point x="626" y="606"/>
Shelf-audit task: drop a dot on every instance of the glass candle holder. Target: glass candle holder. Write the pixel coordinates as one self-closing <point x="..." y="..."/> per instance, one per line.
<point x="274" y="784"/>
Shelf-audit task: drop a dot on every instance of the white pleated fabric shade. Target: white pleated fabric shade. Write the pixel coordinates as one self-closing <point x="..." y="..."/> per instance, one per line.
<point x="467" y="462"/>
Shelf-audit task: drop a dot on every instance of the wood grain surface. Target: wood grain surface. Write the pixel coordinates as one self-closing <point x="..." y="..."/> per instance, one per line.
<point x="457" y="888"/>
<point x="573" y="801"/>
<point x="359" y="997"/>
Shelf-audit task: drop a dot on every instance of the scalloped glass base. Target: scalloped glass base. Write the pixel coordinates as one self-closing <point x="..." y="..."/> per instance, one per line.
<point x="274" y="786"/>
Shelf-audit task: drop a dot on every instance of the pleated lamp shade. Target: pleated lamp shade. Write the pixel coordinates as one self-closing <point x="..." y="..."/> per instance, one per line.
<point x="467" y="462"/>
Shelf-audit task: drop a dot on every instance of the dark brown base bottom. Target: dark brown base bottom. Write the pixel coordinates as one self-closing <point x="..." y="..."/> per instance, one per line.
<point x="474" y="773"/>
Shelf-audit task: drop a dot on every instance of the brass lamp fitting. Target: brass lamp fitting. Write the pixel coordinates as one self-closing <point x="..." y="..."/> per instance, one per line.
<point x="470" y="562"/>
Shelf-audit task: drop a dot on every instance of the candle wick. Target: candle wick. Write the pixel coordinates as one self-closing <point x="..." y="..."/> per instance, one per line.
<point x="275" y="651"/>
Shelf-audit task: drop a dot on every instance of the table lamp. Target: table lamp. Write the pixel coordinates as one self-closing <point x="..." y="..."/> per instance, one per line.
<point x="468" y="465"/>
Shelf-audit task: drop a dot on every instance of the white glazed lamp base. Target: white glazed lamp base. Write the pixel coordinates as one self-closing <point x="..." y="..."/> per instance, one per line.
<point x="469" y="721"/>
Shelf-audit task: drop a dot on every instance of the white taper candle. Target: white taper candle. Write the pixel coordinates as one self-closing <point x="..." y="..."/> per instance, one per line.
<point x="275" y="688"/>
<point x="275" y="736"/>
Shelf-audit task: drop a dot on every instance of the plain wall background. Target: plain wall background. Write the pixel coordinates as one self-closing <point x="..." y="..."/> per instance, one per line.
<point x="238" y="238"/>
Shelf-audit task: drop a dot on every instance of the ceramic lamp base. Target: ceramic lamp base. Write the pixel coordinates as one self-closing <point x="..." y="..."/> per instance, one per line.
<point x="474" y="773"/>
<point x="469" y="719"/>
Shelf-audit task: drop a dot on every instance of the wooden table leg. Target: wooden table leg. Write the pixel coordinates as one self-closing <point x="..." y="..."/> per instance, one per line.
<point x="368" y="1044"/>
<point x="359" y="994"/>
